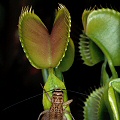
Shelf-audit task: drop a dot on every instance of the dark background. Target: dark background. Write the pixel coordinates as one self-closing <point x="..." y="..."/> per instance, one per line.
<point x="19" y="80"/>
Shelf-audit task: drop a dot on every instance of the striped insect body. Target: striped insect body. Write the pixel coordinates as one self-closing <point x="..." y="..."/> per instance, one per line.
<point x="57" y="110"/>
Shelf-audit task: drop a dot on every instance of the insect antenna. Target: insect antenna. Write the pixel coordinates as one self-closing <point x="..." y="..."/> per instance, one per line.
<point x="78" y="93"/>
<point x="22" y="101"/>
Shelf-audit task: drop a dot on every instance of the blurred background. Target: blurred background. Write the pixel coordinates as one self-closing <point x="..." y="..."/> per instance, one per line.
<point x="19" y="80"/>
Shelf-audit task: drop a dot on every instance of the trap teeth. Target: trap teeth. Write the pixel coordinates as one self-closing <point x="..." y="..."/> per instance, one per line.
<point x="93" y="103"/>
<point x="91" y="54"/>
<point x="85" y="49"/>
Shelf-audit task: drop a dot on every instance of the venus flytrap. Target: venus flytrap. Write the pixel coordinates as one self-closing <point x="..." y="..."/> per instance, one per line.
<point x="101" y="42"/>
<point x="44" y="49"/>
<point x="52" y="52"/>
<point x="115" y="84"/>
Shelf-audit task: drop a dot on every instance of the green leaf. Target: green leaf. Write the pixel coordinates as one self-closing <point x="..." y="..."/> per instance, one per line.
<point x="90" y="53"/>
<point x="84" y="18"/>
<point x="95" y="108"/>
<point x="54" y="83"/>
<point x="104" y="75"/>
<point x="116" y="84"/>
<point x="100" y="38"/>
<point x="68" y="59"/>
<point x="103" y="27"/>
<point x="57" y="73"/>
<point x="113" y="103"/>
<point x="44" y="50"/>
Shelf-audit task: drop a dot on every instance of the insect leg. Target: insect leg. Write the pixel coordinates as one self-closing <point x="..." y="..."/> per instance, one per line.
<point x="67" y="103"/>
<point x="64" y="117"/>
<point x="46" y="93"/>
<point x="65" y="111"/>
<point x="45" y="111"/>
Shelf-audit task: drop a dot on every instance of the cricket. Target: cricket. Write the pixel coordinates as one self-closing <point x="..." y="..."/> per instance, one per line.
<point x="57" y="110"/>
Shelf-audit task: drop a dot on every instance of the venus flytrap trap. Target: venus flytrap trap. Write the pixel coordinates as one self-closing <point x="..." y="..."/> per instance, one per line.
<point x="42" y="49"/>
<point x="101" y="42"/>
<point x="52" y="52"/>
